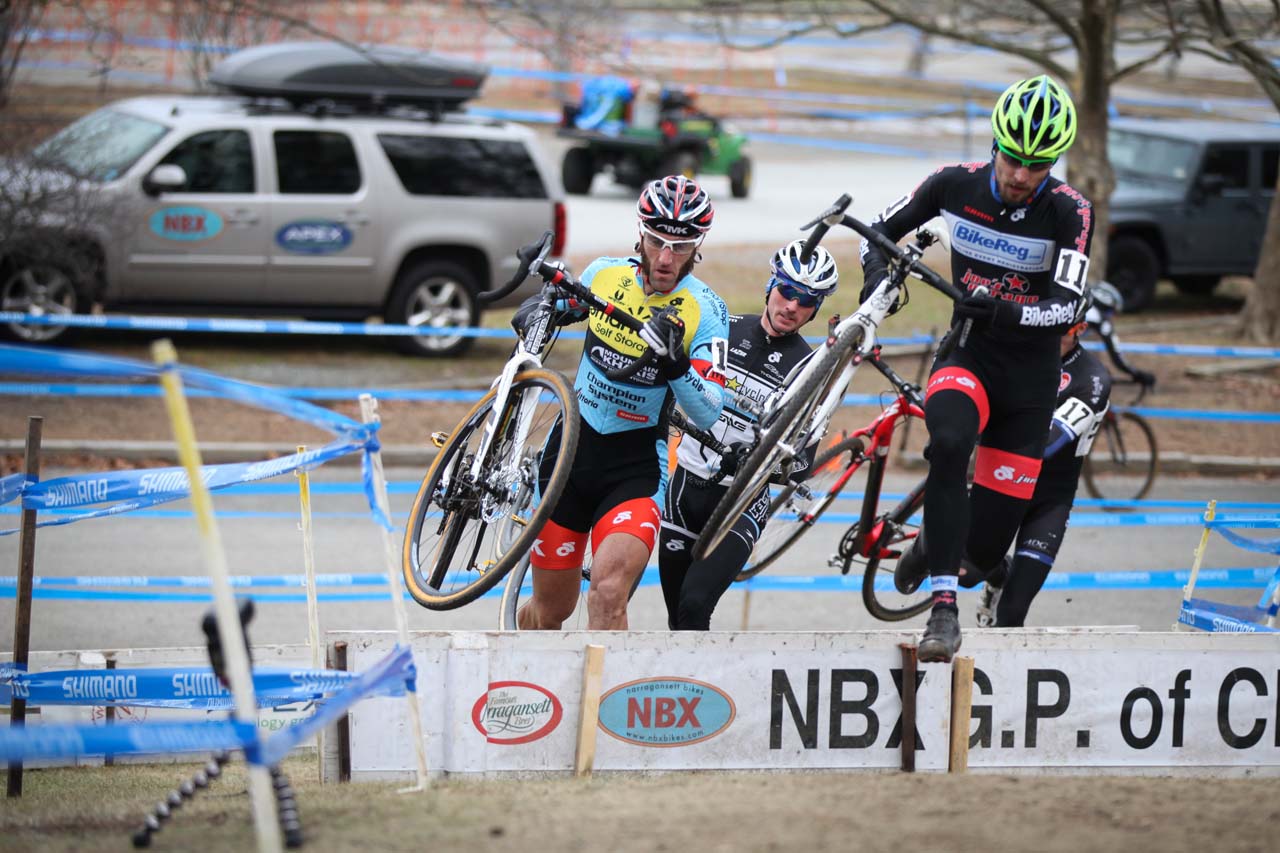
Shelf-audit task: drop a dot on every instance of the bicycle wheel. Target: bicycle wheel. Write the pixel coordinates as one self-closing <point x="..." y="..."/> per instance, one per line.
<point x="1122" y="463"/>
<point x="518" y="588"/>
<point x="795" y="510"/>
<point x="781" y="430"/>
<point x="896" y="531"/>
<point x="469" y="526"/>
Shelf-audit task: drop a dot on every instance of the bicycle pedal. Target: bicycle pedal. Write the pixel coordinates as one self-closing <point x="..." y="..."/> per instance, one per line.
<point x="439" y="438"/>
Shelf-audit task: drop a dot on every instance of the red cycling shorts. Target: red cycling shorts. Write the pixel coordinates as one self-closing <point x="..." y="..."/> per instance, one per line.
<point x="559" y="548"/>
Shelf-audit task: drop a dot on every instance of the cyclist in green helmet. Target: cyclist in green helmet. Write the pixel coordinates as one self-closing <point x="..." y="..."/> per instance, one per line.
<point x="1020" y="252"/>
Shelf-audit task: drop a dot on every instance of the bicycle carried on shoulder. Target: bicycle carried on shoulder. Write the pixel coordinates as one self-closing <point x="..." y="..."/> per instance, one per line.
<point x="876" y="539"/>
<point x="797" y="414"/>
<point x="484" y="499"/>
<point x="516" y="590"/>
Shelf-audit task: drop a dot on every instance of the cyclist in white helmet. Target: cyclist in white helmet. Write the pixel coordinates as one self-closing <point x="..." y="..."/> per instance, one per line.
<point x="763" y="348"/>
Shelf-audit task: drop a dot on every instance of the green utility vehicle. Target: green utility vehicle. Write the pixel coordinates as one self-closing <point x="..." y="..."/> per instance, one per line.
<point x="617" y="135"/>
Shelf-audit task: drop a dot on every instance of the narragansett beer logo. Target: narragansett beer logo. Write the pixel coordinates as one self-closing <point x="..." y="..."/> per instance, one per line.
<point x="515" y="712"/>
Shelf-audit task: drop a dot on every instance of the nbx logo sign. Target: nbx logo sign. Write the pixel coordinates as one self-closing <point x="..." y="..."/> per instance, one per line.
<point x="839" y="707"/>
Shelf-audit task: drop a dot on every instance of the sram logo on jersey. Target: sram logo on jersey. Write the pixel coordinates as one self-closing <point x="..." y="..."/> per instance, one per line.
<point x="1047" y="315"/>
<point x="984" y="244"/>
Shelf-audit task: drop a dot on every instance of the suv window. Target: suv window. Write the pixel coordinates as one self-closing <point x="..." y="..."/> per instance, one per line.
<point x="1270" y="169"/>
<point x="101" y="146"/>
<point x="216" y="161"/>
<point x="440" y="165"/>
<point x="1232" y="163"/>
<point x="1140" y="155"/>
<point x="316" y="163"/>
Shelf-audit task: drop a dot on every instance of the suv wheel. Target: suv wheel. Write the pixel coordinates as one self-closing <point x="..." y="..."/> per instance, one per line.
<point x="740" y="177"/>
<point x="1133" y="267"/>
<point x="437" y="294"/>
<point x="41" y="289"/>
<point x="1196" y="285"/>
<point x="577" y="170"/>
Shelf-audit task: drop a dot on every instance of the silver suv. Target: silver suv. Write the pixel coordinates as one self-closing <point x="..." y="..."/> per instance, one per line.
<point x="298" y="207"/>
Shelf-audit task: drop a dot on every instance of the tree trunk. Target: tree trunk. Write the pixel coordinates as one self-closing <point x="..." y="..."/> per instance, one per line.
<point x="1261" y="313"/>
<point x="1090" y="169"/>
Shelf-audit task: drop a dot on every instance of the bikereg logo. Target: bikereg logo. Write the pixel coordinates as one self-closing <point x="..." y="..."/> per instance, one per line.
<point x="516" y="712"/>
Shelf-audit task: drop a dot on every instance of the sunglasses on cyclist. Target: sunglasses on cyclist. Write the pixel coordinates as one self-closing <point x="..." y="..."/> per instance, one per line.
<point x="654" y="243"/>
<point x="1032" y="164"/>
<point x="802" y="297"/>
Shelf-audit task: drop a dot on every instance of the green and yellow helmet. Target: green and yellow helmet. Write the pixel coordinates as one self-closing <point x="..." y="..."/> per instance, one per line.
<point x="1034" y="120"/>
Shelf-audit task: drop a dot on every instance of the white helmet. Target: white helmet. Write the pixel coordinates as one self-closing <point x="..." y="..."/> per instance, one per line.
<point x="818" y="277"/>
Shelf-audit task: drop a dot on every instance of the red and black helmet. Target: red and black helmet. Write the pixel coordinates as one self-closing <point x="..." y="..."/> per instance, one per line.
<point x="675" y="208"/>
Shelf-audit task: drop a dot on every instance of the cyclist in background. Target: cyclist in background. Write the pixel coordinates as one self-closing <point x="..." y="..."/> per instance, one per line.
<point x="1020" y="242"/>
<point x="619" y="472"/>
<point x="1084" y="393"/>
<point x="763" y="349"/>
<point x="1108" y="302"/>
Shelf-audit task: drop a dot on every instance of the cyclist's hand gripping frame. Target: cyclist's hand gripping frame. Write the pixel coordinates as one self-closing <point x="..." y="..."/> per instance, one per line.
<point x="560" y="284"/>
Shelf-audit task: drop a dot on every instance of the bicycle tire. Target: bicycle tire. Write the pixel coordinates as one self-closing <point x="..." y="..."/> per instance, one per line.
<point x="757" y="468"/>
<point x="781" y="533"/>
<point x="514" y="594"/>
<point x="511" y="592"/>
<point x="1123" y="461"/>
<point x="881" y="599"/>
<point x="488" y="525"/>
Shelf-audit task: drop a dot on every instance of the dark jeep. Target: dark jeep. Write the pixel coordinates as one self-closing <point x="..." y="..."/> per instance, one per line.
<point x="1190" y="204"/>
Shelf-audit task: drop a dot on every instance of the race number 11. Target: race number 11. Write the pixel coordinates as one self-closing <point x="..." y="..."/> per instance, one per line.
<point x="1072" y="268"/>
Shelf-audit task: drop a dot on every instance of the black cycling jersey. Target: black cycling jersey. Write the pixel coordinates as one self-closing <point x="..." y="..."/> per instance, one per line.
<point x="1034" y="258"/>
<point x="1000" y="385"/>
<point x="1084" y="393"/>
<point x="757" y="365"/>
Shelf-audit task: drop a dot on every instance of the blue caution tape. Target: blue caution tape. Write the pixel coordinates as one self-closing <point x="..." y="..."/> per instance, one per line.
<point x="303" y="327"/>
<point x="168" y="687"/>
<point x="1223" y="618"/>
<point x="1244" y="578"/>
<point x="437" y="395"/>
<point x="393" y="675"/>
<point x="139" y="489"/>
<point x="66" y="742"/>
<point x="12" y="486"/>
<point x="43" y="360"/>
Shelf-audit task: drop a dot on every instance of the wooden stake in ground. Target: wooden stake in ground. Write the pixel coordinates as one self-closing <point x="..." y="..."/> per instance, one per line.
<point x="391" y="556"/>
<point x="262" y="795"/>
<point x="592" y="673"/>
<point x="309" y="567"/>
<point x="961" y="711"/>
<point x="908" y="707"/>
<point x="26" y="581"/>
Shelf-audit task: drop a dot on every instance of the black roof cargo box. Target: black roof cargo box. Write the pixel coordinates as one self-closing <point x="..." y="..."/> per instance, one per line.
<point x="377" y="75"/>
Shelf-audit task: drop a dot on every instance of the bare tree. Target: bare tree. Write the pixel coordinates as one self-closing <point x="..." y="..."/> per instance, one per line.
<point x="559" y="32"/>
<point x="1073" y="40"/>
<point x="17" y="19"/>
<point x="1236" y="33"/>
<point x="213" y="28"/>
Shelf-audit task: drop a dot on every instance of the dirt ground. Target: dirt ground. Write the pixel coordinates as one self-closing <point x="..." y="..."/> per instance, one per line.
<point x="673" y="812"/>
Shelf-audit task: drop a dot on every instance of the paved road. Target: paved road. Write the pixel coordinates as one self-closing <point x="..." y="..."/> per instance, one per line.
<point x="346" y="541"/>
<point x="792" y="185"/>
